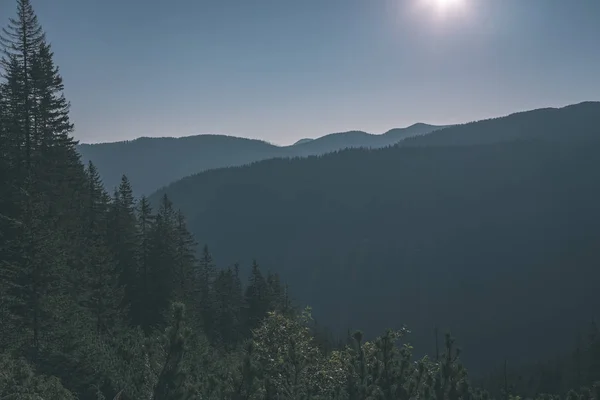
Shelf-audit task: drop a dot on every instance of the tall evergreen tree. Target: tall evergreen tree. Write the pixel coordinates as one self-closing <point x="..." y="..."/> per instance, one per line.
<point x="161" y="271"/>
<point x="228" y="308"/>
<point x="276" y="292"/>
<point x="146" y="220"/>
<point x="207" y="276"/>
<point x="171" y="379"/>
<point x="123" y="241"/>
<point x="21" y="41"/>
<point x="37" y="209"/>
<point x="102" y="293"/>
<point x="186" y="271"/>
<point x="256" y="298"/>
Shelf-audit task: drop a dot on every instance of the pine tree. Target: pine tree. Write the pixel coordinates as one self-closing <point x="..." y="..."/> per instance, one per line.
<point x="21" y="41"/>
<point x="171" y="379"/>
<point x="288" y="356"/>
<point x="256" y="298"/>
<point x="161" y="271"/>
<point x="58" y="162"/>
<point x="228" y="293"/>
<point x="185" y="266"/>
<point x="102" y="294"/>
<point x="146" y="220"/>
<point x="7" y="224"/>
<point x="207" y="276"/>
<point x="276" y="292"/>
<point x="123" y="241"/>
<point x="38" y="208"/>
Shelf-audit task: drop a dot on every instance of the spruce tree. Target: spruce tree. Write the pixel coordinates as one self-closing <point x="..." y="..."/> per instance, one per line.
<point x="39" y="209"/>
<point x="172" y="378"/>
<point x="257" y="299"/>
<point x="228" y="296"/>
<point x="185" y="266"/>
<point x="57" y="159"/>
<point x="276" y="292"/>
<point x="161" y="271"/>
<point x="145" y="220"/>
<point x="207" y="276"/>
<point x="21" y="41"/>
<point x="123" y="242"/>
<point x="102" y="294"/>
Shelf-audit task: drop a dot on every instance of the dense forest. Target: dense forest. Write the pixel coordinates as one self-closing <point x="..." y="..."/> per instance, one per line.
<point x="106" y="297"/>
<point x="483" y="235"/>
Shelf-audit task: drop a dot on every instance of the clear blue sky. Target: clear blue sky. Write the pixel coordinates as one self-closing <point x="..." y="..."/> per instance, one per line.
<point x="280" y="70"/>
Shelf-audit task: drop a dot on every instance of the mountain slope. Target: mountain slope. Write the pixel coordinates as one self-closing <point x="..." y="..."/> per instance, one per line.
<point x="301" y="141"/>
<point x="570" y="123"/>
<point x="151" y="163"/>
<point x="357" y="139"/>
<point x="506" y="231"/>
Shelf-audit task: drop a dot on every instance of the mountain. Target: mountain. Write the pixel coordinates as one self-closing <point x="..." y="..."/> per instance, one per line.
<point x="151" y="163"/>
<point x="570" y="123"/>
<point x="357" y="139"/>
<point x="301" y="141"/>
<point x="488" y="229"/>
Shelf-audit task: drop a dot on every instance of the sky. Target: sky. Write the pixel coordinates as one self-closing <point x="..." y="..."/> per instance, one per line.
<point x="282" y="70"/>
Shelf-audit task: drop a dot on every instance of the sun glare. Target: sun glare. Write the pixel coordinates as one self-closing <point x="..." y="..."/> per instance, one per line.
<point x="446" y="3"/>
<point x="442" y="9"/>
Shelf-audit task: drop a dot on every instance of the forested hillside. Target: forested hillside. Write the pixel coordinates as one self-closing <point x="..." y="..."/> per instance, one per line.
<point x="103" y="296"/>
<point x="152" y="163"/>
<point x="574" y="123"/>
<point x="485" y="239"/>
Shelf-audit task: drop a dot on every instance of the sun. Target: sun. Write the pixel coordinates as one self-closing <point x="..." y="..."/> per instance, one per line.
<point x="443" y="8"/>
<point x="446" y="3"/>
<point x="435" y="16"/>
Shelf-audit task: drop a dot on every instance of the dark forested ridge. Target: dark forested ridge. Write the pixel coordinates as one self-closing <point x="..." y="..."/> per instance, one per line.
<point x="152" y="163"/>
<point x="105" y="296"/>
<point x="573" y="123"/>
<point x="483" y="239"/>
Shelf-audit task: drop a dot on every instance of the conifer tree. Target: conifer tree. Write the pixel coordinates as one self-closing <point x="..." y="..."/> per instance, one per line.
<point x="21" y="41"/>
<point x="229" y="298"/>
<point x="171" y="378"/>
<point x="161" y="271"/>
<point x="185" y="266"/>
<point x="276" y="292"/>
<point x="123" y="241"/>
<point x="38" y="209"/>
<point x="102" y="294"/>
<point x="207" y="277"/>
<point x="288" y="356"/>
<point x="146" y="220"/>
<point x="256" y="298"/>
<point x="58" y="163"/>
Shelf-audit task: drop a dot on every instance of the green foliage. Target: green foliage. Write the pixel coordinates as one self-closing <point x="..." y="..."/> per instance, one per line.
<point x="431" y="231"/>
<point x="287" y="356"/>
<point x="171" y="378"/>
<point x="18" y="381"/>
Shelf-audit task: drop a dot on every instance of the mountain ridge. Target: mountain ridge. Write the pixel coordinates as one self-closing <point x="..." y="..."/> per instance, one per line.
<point x="418" y="231"/>
<point x="151" y="163"/>
<point x="415" y="125"/>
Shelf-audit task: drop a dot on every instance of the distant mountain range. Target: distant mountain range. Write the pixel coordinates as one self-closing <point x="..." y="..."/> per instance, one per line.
<point x="302" y="141"/>
<point x="488" y="229"/>
<point x="151" y="163"/>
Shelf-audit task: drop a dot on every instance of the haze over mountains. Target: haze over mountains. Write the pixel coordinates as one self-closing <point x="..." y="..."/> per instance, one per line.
<point x="485" y="229"/>
<point x="151" y="163"/>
